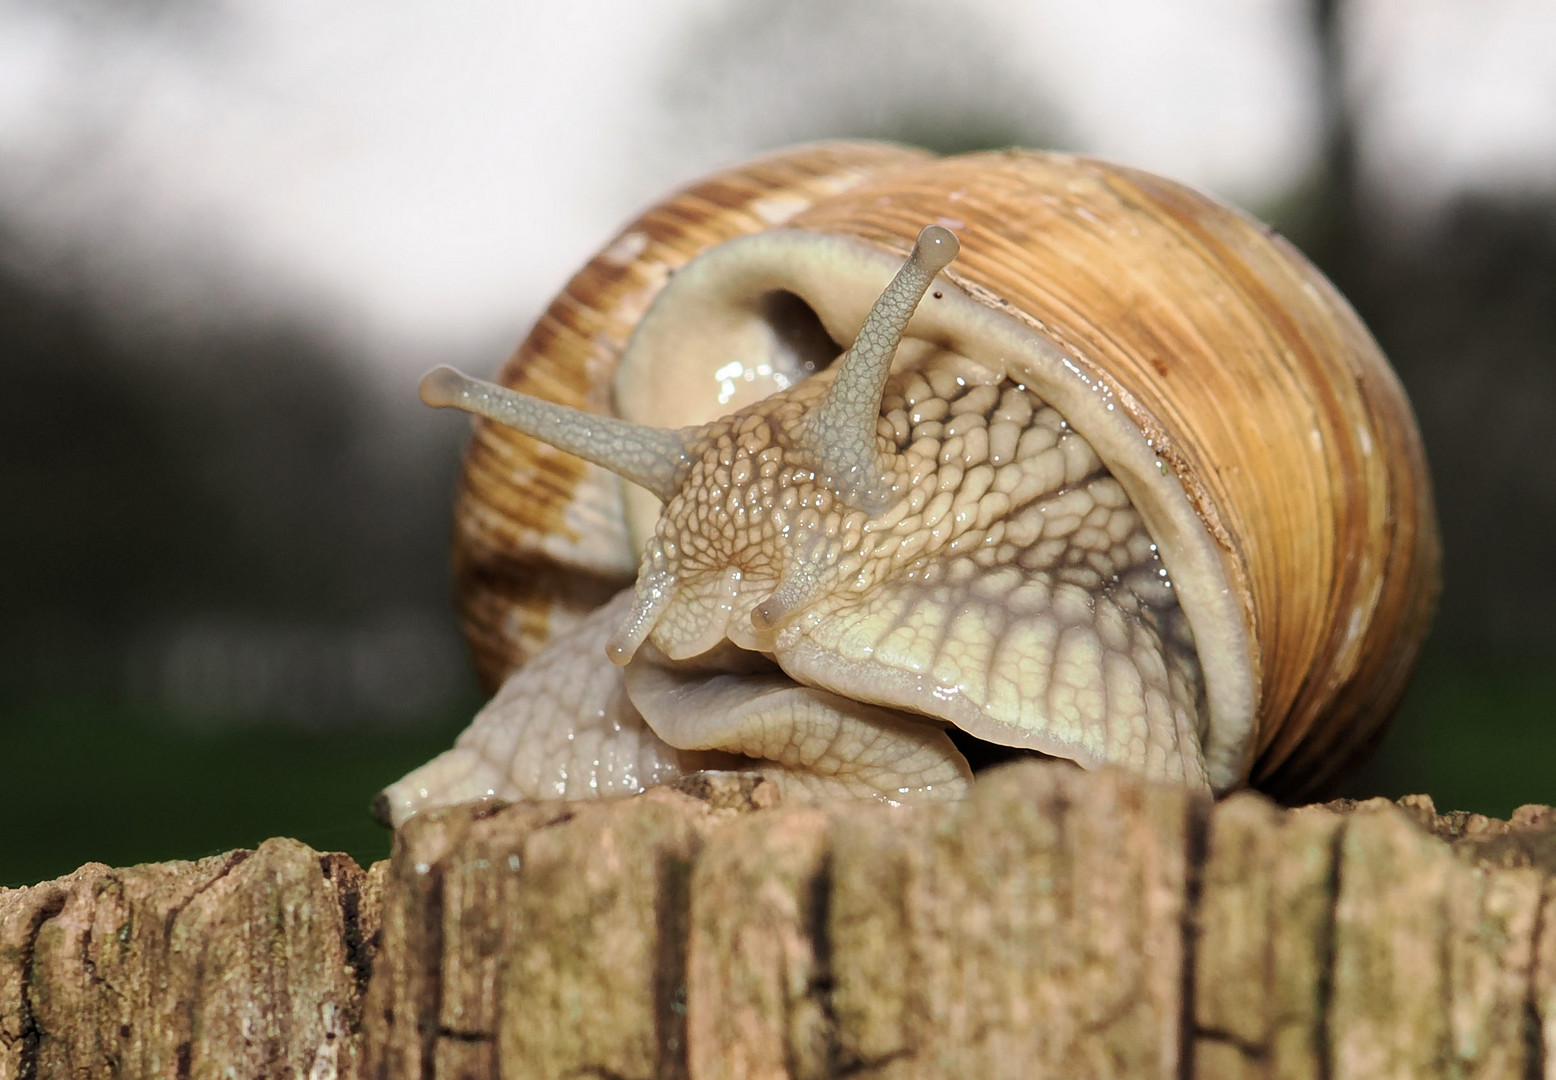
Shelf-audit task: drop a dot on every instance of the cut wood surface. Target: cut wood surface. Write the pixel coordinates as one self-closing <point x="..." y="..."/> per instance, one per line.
<point x="1056" y="923"/>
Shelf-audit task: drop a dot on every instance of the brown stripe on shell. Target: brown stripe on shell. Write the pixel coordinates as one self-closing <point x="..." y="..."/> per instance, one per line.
<point x="1257" y="385"/>
<point x="1411" y="559"/>
<point x="517" y="546"/>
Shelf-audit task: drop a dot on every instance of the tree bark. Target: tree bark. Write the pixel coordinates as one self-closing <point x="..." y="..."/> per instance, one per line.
<point x="1055" y="923"/>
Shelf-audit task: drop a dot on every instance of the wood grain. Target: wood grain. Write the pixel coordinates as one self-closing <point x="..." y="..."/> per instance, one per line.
<point x="1055" y="923"/>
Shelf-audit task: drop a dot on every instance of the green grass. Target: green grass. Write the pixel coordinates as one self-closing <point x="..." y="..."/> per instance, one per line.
<point x="1478" y="737"/>
<point x="101" y="783"/>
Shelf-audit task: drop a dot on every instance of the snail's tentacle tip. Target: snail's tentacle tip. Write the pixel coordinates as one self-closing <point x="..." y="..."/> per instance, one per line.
<point x="936" y="247"/>
<point x="382" y="810"/>
<point x="643" y="455"/>
<point x="623" y="644"/>
<point x="799" y="587"/>
<point x="441" y="387"/>
<point x="765" y="615"/>
<point x="655" y="588"/>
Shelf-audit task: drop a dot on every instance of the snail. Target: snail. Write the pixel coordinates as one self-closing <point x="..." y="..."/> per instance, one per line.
<point x="860" y="467"/>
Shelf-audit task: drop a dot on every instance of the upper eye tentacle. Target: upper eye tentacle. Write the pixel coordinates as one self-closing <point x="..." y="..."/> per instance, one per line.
<point x="839" y="433"/>
<point x="649" y="457"/>
<point x="704" y="536"/>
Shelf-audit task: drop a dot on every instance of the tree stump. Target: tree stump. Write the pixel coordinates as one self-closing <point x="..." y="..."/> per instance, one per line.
<point x="1056" y="923"/>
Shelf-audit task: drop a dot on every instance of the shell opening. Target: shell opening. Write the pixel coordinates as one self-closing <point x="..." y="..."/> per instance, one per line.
<point x="798" y="346"/>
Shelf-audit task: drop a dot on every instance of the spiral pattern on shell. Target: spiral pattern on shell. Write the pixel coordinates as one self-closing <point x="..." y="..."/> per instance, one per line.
<point x="1193" y="341"/>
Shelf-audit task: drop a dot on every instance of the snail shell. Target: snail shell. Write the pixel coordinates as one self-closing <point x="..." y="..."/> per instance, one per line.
<point x="1241" y="551"/>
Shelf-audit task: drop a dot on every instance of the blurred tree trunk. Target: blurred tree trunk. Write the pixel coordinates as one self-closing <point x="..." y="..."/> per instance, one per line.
<point x="1327" y="224"/>
<point x="1055" y="923"/>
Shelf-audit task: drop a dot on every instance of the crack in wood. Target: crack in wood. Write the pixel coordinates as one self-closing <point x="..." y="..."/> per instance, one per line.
<point x="874" y="1063"/>
<point x="600" y="1072"/>
<point x="1196" y="832"/>
<point x="348" y="895"/>
<point x="31" y="1035"/>
<point x="818" y="921"/>
<point x="230" y="862"/>
<point x="1535" y="1050"/>
<point x="673" y="929"/>
<point x="1250" y="1051"/>
<point x="433" y="919"/>
<point x="1327" y="950"/>
<point x="446" y="1032"/>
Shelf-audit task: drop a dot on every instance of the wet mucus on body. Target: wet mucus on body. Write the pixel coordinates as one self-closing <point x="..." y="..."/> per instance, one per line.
<point x="867" y="584"/>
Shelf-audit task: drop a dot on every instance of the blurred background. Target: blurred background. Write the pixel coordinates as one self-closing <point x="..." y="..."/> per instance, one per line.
<point x="233" y="234"/>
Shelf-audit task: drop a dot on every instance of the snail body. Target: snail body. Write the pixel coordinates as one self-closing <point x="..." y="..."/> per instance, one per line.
<point x="1128" y="482"/>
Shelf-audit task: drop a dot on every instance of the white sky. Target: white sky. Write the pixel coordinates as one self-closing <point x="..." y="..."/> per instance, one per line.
<point x="1455" y="95"/>
<point x="424" y="176"/>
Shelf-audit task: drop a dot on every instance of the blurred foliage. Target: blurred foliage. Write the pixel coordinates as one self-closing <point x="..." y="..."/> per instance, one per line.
<point x="237" y="473"/>
<point x="93" y="781"/>
<point x="155" y="484"/>
<point x="171" y="469"/>
<point x="238" y="467"/>
<point x="1476" y="735"/>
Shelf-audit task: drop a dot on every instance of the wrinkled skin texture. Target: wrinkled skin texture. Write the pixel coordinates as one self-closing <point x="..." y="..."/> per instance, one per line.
<point x="905" y="542"/>
<point x="567" y="726"/>
<point x="1006" y="587"/>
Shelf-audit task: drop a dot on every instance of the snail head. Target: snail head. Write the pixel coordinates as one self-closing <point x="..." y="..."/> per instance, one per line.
<point x="795" y="497"/>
